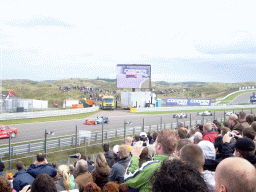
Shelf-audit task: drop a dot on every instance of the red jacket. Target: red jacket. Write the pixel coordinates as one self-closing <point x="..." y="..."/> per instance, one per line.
<point x="210" y="136"/>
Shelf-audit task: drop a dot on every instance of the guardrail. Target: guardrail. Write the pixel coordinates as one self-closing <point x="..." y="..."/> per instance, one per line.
<point x="71" y="141"/>
<point x="27" y="115"/>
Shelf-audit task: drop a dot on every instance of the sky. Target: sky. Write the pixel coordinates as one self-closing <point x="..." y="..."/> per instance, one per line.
<point x="204" y="41"/>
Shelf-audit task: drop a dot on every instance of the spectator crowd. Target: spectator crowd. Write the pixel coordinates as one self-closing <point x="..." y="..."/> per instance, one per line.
<point x="211" y="157"/>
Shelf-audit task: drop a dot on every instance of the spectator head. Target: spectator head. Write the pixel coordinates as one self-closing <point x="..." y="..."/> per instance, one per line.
<point x="5" y="185"/>
<point x="177" y="176"/>
<point x="198" y="137"/>
<point x="181" y="143"/>
<point x="81" y="166"/>
<point x="166" y="142"/>
<point x="64" y="172"/>
<point x="148" y="134"/>
<point x="242" y="116"/>
<point x="249" y="133"/>
<point x="106" y="147"/>
<point x="100" y="161"/>
<point x="182" y="133"/>
<point x="143" y="136"/>
<point x="207" y="127"/>
<point x="1" y="166"/>
<point x="218" y="145"/>
<point x="123" y="151"/>
<point x="233" y="119"/>
<point x="137" y="138"/>
<point x="71" y="169"/>
<point x="193" y="155"/>
<point x="236" y="175"/>
<point x="226" y="124"/>
<point x="40" y="157"/>
<point x="217" y="123"/>
<point x="244" y="147"/>
<point x="43" y="183"/>
<point x="250" y="119"/>
<point x="192" y="131"/>
<point x="54" y="165"/>
<point x="218" y="131"/>
<point x="253" y="126"/>
<point x="89" y="187"/>
<point x="111" y="186"/>
<point x="208" y="149"/>
<point x="144" y="153"/>
<point x="155" y="134"/>
<point x="224" y="131"/>
<point x="20" y="165"/>
<point x="128" y="141"/>
<point x="89" y="158"/>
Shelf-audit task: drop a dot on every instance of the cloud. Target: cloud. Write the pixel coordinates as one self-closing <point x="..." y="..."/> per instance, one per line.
<point x="238" y="42"/>
<point x="38" y="20"/>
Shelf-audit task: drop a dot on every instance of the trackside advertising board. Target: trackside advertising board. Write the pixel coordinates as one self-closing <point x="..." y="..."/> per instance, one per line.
<point x="253" y="99"/>
<point x="188" y="102"/>
<point x="133" y="76"/>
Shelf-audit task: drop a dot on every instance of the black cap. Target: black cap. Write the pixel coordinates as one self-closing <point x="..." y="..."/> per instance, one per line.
<point x="244" y="144"/>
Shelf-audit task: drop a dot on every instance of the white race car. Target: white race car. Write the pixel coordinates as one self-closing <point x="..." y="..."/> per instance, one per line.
<point x="205" y="113"/>
<point x="180" y="115"/>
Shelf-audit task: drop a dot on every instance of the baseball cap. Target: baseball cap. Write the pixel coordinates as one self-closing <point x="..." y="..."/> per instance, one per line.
<point x="115" y="149"/>
<point x="143" y="134"/>
<point x="244" y="144"/>
<point x="233" y="117"/>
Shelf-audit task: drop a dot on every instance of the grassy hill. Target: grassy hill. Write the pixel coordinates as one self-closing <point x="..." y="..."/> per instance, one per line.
<point x="49" y="90"/>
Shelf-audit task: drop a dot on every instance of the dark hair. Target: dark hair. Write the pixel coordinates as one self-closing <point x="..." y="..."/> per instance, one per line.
<point x="242" y="115"/>
<point x="106" y="147"/>
<point x="177" y="176"/>
<point x="137" y="137"/>
<point x="2" y="166"/>
<point x="43" y="183"/>
<point x="20" y="165"/>
<point x="249" y="133"/>
<point x="218" y="143"/>
<point x="54" y="165"/>
<point x="89" y="187"/>
<point x="182" y="132"/>
<point x="155" y="134"/>
<point x="226" y="124"/>
<point x="253" y="126"/>
<point x="217" y="123"/>
<point x="182" y="143"/>
<point x="40" y="157"/>
<point x="250" y="119"/>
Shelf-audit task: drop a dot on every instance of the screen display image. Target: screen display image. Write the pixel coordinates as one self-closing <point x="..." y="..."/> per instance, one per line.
<point x="133" y="76"/>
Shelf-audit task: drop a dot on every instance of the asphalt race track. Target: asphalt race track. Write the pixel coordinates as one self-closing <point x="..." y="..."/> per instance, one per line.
<point x="34" y="131"/>
<point x="244" y="98"/>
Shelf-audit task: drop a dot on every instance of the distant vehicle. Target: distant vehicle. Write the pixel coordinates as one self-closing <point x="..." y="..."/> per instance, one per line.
<point x="205" y="113"/>
<point x="6" y="130"/>
<point x="180" y="115"/>
<point x="98" y="120"/>
<point x="131" y="73"/>
<point x="230" y="113"/>
<point x="108" y="102"/>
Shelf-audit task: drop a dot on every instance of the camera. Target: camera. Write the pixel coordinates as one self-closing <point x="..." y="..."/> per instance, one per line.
<point x="144" y="144"/>
<point x="231" y="134"/>
<point x="74" y="156"/>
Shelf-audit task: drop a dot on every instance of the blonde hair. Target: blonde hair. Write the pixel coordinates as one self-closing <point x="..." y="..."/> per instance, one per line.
<point x="64" y="172"/>
<point x="123" y="151"/>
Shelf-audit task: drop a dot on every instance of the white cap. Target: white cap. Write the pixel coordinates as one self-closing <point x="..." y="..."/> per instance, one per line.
<point x="143" y="134"/>
<point x="115" y="149"/>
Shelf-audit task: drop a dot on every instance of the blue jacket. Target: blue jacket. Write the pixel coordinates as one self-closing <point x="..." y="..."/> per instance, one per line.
<point x="21" y="179"/>
<point x="44" y="168"/>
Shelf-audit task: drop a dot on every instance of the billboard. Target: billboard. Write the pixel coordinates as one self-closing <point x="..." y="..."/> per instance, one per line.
<point x="253" y="99"/>
<point x="188" y="102"/>
<point x="133" y="76"/>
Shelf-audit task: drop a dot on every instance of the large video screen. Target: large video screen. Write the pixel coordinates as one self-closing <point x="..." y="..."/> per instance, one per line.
<point x="133" y="76"/>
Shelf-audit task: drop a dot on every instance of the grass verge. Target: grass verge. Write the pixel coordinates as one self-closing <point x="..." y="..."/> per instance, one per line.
<point x="45" y="119"/>
<point x="232" y="97"/>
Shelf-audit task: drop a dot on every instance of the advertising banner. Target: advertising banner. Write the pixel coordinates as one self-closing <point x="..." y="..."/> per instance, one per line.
<point x="253" y="99"/>
<point x="188" y="102"/>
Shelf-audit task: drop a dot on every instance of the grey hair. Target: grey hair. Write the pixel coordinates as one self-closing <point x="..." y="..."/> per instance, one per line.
<point x="81" y="166"/>
<point x="198" y="137"/>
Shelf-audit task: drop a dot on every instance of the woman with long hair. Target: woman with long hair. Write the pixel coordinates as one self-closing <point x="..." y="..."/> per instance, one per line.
<point x="101" y="171"/>
<point x="66" y="181"/>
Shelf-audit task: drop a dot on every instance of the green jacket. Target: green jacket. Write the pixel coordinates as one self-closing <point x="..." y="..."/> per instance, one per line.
<point x="136" y="177"/>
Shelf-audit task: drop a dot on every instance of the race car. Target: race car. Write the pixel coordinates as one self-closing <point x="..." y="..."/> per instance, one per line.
<point x="180" y="115"/>
<point x="98" y="120"/>
<point x="230" y="113"/>
<point x="5" y="130"/>
<point x="205" y="113"/>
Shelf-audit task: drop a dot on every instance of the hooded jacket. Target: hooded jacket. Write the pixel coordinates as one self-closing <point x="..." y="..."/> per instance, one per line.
<point x="100" y="174"/>
<point x="21" y="179"/>
<point x="118" y="170"/>
<point x="138" y="178"/>
<point x="210" y="136"/>
<point x="44" y="168"/>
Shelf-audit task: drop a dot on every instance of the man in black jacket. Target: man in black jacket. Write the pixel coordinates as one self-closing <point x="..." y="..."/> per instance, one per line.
<point x="41" y="165"/>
